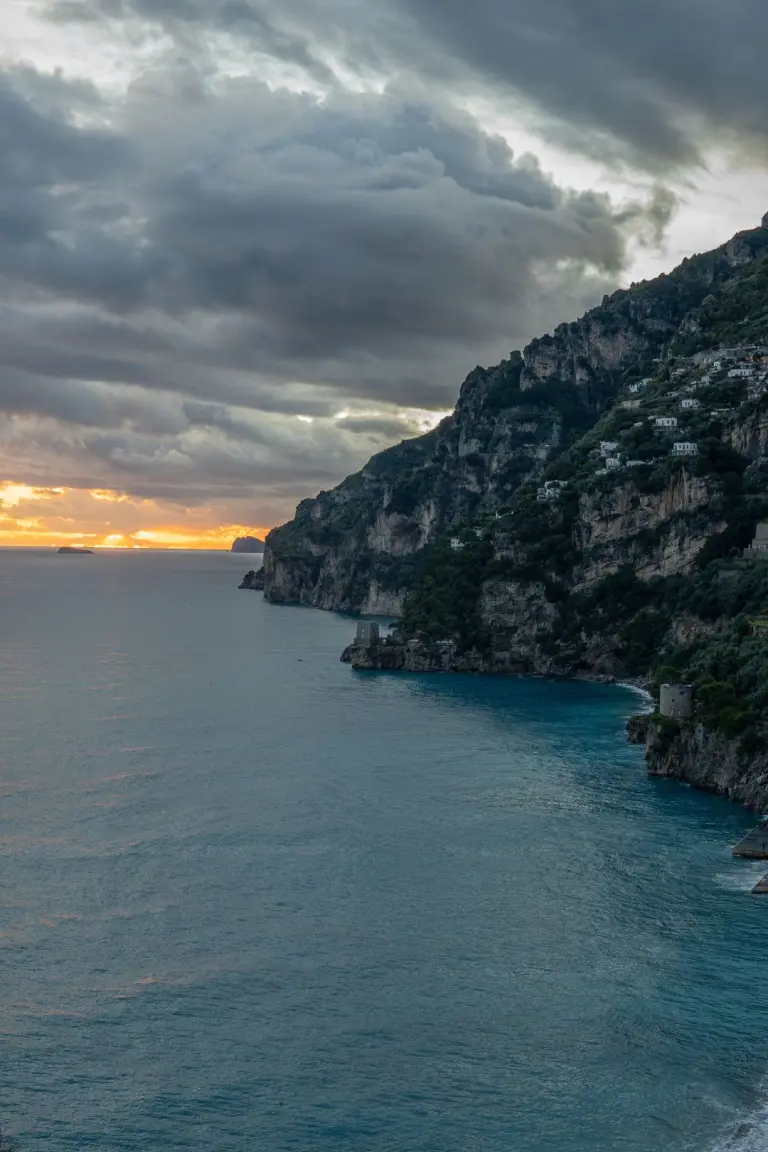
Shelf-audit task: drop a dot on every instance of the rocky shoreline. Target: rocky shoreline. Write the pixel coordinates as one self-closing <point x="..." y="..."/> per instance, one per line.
<point x="253" y="581"/>
<point x="683" y="751"/>
<point x="708" y="760"/>
<point x="398" y="653"/>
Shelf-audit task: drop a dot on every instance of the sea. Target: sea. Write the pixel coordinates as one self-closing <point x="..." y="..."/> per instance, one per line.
<point x="252" y="900"/>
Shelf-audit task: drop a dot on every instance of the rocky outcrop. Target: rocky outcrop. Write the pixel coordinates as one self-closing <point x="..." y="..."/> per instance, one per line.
<point x="253" y="581"/>
<point x="400" y="655"/>
<point x="709" y="760"/>
<point x="637" y="729"/>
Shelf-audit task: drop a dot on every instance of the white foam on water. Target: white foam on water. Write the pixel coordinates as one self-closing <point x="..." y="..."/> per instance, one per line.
<point x="746" y="1134"/>
<point x="647" y="698"/>
<point x="742" y="877"/>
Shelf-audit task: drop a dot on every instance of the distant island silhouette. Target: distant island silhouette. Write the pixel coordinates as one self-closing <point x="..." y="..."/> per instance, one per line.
<point x="248" y="544"/>
<point x="72" y="550"/>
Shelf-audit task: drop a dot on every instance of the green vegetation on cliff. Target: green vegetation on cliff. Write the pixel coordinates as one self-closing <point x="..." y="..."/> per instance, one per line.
<point x="585" y="507"/>
<point x="661" y="566"/>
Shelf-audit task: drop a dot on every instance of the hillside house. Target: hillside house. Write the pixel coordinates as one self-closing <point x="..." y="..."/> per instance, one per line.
<point x="639" y="386"/>
<point x="456" y="544"/>
<point x="690" y="404"/>
<point x="608" y="447"/>
<point x="612" y="462"/>
<point x="725" y="357"/>
<point x="741" y="373"/>
<point x="665" y="423"/>
<point x="685" y="448"/>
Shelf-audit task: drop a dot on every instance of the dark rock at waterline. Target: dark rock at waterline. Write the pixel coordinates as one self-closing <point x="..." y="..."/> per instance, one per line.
<point x="254" y="581"/>
<point x="396" y="654"/>
<point x="637" y="729"/>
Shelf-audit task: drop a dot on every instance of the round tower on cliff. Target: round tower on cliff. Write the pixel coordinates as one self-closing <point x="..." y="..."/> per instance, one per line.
<point x="676" y="701"/>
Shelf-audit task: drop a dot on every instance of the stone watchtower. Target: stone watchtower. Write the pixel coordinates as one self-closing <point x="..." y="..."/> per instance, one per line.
<point x="367" y="634"/>
<point x="759" y="548"/>
<point x="676" y="701"/>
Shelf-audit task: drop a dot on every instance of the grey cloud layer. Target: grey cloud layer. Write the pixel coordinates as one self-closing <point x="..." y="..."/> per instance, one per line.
<point x="186" y="272"/>
<point x="644" y="80"/>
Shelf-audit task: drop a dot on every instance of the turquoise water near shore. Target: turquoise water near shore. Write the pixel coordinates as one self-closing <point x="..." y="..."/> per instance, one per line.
<point x="251" y="899"/>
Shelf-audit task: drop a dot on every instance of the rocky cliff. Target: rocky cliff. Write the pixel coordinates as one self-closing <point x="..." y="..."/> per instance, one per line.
<point x="710" y="760"/>
<point x="569" y="518"/>
<point x="358" y="547"/>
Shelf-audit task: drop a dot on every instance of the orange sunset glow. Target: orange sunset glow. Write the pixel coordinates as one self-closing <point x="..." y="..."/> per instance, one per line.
<point x="100" y="518"/>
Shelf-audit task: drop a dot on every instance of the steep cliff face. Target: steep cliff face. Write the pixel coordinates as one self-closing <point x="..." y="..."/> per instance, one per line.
<point x="656" y="533"/>
<point x="357" y="547"/>
<point x="711" y="761"/>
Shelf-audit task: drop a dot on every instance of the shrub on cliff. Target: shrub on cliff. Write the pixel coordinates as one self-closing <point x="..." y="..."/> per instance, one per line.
<point x="444" y="603"/>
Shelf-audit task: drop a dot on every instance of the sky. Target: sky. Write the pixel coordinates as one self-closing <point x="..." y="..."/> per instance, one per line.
<point x="246" y="244"/>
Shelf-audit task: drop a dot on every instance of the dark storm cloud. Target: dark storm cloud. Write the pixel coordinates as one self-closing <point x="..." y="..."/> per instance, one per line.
<point x="643" y="80"/>
<point x="178" y="288"/>
<point x="355" y="225"/>
<point x="635" y="71"/>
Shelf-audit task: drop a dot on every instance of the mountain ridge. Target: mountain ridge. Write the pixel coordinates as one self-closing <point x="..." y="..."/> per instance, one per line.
<point x="356" y="547"/>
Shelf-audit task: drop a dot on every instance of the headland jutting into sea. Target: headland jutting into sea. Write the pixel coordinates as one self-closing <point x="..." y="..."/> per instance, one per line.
<point x="596" y="506"/>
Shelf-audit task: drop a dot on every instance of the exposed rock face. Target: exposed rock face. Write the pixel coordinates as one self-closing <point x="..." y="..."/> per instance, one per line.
<point x="707" y="760"/>
<point x="654" y="532"/>
<point x="355" y="548"/>
<point x="400" y="655"/>
<point x="518" y="615"/>
<point x="253" y="581"/>
<point x="637" y="729"/>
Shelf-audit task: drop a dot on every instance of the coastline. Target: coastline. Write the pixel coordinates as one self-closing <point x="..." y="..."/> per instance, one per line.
<point x="684" y="751"/>
<point x="688" y="753"/>
<point x="640" y="687"/>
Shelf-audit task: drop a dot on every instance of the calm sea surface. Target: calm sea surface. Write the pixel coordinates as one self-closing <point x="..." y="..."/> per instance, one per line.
<point x="251" y="900"/>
